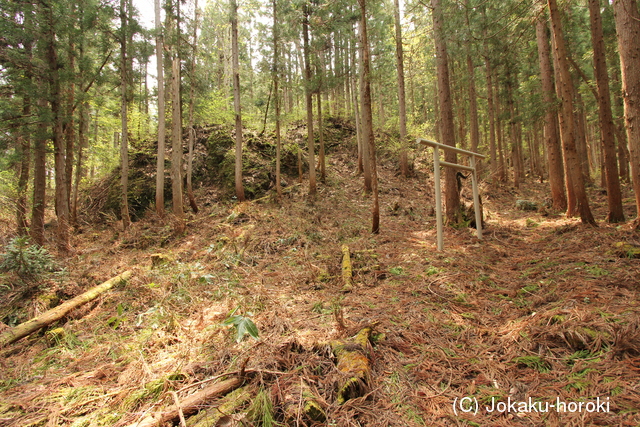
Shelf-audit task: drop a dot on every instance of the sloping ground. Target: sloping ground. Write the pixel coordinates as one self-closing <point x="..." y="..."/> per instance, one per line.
<point x="542" y="310"/>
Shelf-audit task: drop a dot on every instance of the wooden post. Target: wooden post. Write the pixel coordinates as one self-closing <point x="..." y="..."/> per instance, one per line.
<point x="436" y="178"/>
<point x="476" y="196"/>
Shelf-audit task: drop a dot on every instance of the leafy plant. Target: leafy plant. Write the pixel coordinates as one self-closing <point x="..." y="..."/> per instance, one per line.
<point x="115" y="321"/>
<point x="244" y="325"/>
<point x="27" y="260"/>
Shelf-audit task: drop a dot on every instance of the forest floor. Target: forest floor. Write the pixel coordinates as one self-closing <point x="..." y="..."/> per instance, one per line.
<point x="542" y="309"/>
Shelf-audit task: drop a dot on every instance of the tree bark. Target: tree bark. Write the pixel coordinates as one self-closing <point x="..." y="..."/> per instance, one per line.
<point x="192" y="101"/>
<point x="353" y="363"/>
<point x="552" y="139"/>
<point x="367" y="117"/>
<point x="309" y="100"/>
<point x="627" y="20"/>
<point x="83" y="131"/>
<point x="69" y="124"/>
<point x="607" y="131"/>
<point x="14" y="334"/>
<point x="236" y="100"/>
<point x="452" y="196"/>
<point x="24" y="146"/>
<point x="516" y="156"/>
<point x="402" y="107"/>
<point x="575" y="178"/>
<point x="191" y="404"/>
<point x="124" y="144"/>
<point x="39" y="177"/>
<point x="55" y="96"/>
<point x="356" y="110"/>
<point x="276" y="93"/>
<point x="161" y="113"/>
<point x="321" y="154"/>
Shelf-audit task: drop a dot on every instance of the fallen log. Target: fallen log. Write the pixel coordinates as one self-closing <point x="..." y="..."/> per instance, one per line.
<point x="353" y="361"/>
<point x="346" y="270"/>
<point x="226" y="406"/>
<point x="14" y="334"/>
<point x="191" y="404"/>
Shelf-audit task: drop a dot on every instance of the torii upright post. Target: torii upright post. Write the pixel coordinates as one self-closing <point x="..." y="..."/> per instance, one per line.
<point x="436" y="177"/>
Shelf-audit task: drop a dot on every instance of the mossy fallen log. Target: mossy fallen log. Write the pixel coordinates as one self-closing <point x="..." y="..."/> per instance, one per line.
<point x="353" y="361"/>
<point x="626" y="250"/>
<point x="226" y="406"/>
<point x="347" y="270"/>
<point x="191" y="404"/>
<point x="14" y="334"/>
<point x="299" y="399"/>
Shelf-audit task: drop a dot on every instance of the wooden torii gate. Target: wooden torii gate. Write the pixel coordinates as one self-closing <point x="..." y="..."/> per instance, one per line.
<point x="436" y="176"/>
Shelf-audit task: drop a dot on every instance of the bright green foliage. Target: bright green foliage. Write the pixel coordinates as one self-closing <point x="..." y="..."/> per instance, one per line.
<point x="261" y="410"/>
<point x="243" y="325"/>
<point x="25" y="259"/>
<point x="534" y="362"/>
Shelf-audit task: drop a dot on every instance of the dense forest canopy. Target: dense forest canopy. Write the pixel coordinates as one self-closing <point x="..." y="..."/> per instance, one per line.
<point x="545" y="90"/>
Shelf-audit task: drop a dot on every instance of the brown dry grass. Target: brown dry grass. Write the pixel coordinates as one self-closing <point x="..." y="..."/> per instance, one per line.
<point x="541" y="309"/>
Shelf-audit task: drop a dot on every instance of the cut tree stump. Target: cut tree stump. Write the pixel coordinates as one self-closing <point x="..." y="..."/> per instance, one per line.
<point x="299" y="399"/>
<point x="191" y="404"/>
<point x="14" y="334"/>
<point x="347" y="270"/>
<point x="353" y="361"/>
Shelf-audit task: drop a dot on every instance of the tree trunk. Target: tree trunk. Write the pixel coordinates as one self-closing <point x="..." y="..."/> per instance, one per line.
<point x="607" y="132"/>
<point x="473" y="102"/>
<point x="309" y="100"/>
<point x="176" y="145"/>
<point x="366" y="165"/>
<point x="192" y="101"/>
<point x="367" y="116"/>
<point x="491" y="113"/>
<point x="402" y="108"/>
<point x="513" y="131"/>
<point x="236" y="100"/>
<point x="24" y="145"/>
<point x="502" y="168"/>
<point x="176" y="129"/>
<point x="567" y="126"/>
<point x="24" y="134"/>
<point x="161" y="113"/>
<point x="39" y="177"/>
<point x="55" y="96"/>
<point x="276" y="90"/>
<point x="124" y="145"/>
<point x="552" y="139"/>
<point x="69" y="124"/>
<point x="452" y="196"/>
<point x="321" y="154"/>
<point x="83" y="131"/>
<point x="356" y="108"/>
<point x="628" y="30"/>
<point x="582" y="144"/>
